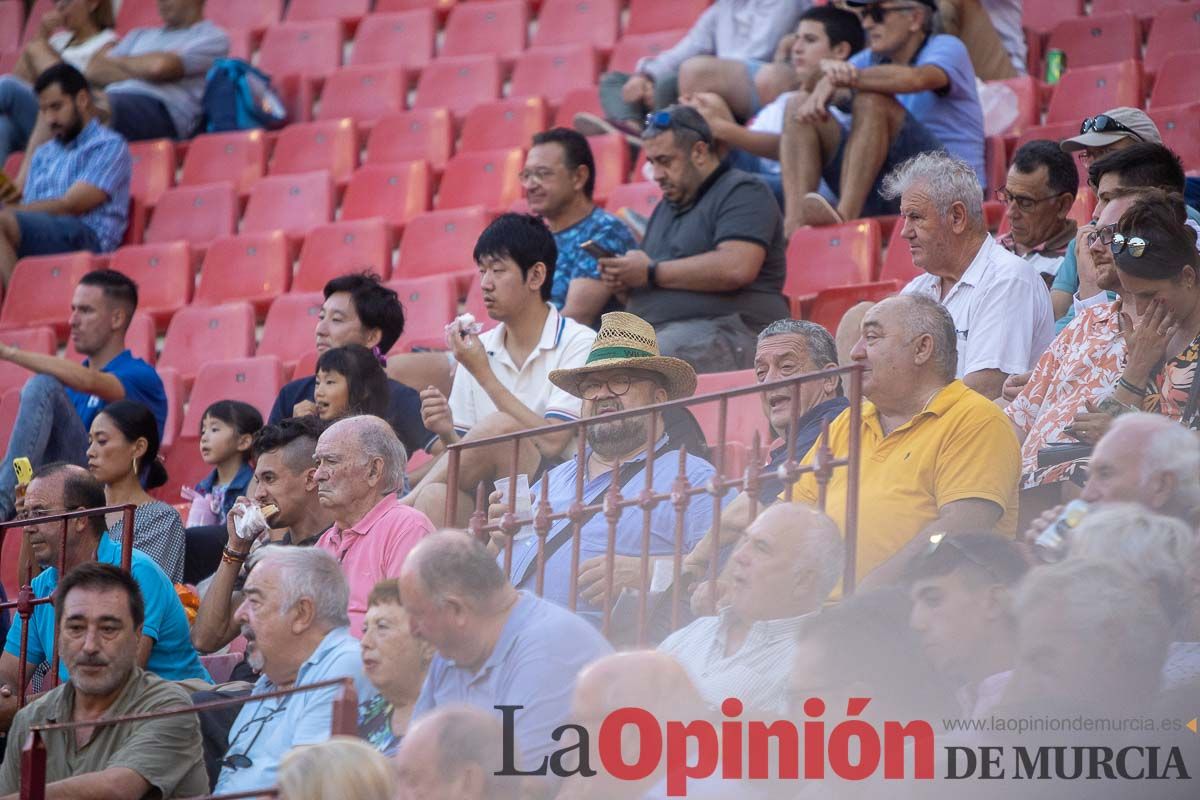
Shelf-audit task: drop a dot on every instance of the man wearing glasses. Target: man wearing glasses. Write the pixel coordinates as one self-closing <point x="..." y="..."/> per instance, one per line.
<point x="909" y="92"/>
<point x="1038" y="195"/>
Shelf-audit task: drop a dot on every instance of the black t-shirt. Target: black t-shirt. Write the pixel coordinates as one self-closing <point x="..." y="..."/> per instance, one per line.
<point x="730" y="205"/>
<point x="404" y="409"/>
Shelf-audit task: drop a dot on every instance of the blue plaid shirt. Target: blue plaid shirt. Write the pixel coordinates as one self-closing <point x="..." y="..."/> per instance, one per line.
<point x="97" y="156"/>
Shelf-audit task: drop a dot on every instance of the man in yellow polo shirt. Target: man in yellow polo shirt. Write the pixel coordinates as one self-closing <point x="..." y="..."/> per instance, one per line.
<point x="937" y="457"/>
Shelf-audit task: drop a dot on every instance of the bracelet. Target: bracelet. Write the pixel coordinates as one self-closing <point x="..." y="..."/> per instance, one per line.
<point x="232" y="557"/>
<point x="1129" y="387"/>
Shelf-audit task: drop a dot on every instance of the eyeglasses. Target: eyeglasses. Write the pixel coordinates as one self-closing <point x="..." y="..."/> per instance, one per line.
<point x="1118" y="242"/>
<point x="617" y="385"/>
<point x="240" y="760"/>
<point x="940" y="540"/>
<point x="878" y="12"/>
<point x="541" y="175"/>
<point x="1023" y="203"/>
<point x="1103" y="123"/>
<point x="666" y="120"/>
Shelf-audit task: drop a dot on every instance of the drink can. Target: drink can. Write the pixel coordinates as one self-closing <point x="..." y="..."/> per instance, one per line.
<point x="1056" y="63"/>
<point x="1051" y="544"/>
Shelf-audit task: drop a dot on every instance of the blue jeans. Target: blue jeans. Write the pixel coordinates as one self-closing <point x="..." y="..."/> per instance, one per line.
<point x="48" y="429"/>
<point x="18" y="114"/>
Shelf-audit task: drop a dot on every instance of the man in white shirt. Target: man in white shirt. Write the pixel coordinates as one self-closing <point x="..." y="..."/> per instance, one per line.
<point x="502" y="382"/>
<point x="1000" y="306"/>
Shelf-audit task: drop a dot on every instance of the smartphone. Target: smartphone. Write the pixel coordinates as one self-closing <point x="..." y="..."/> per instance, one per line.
<point x="24" y="470"/>
<point x="595" y="250"/>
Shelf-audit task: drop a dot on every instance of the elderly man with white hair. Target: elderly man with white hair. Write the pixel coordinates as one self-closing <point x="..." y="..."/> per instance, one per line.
<point x="1001" y="309"/>
<point x="455" y="752"/>
<point x="360" y="467"/>
<point x="295" y="612"/>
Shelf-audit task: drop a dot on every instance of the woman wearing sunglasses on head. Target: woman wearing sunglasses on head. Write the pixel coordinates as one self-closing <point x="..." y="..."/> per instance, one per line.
<point x="1159" y="268"/>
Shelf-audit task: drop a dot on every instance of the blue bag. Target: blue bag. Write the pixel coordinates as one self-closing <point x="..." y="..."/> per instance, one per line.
<point x="239" y="97"/>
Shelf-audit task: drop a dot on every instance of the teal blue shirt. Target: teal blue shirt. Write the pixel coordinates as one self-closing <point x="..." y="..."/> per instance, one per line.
<point x="172" y="658"/>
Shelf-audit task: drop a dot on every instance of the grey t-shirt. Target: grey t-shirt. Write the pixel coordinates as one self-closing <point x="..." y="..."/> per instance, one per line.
<point x="731" y="204"/>
<point x="197" y="46"/>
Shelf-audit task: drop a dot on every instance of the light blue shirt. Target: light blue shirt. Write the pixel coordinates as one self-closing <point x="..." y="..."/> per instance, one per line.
<point x="534" y="663"/>
<point x="277" y="725"/>
<point x="953" y="114"/>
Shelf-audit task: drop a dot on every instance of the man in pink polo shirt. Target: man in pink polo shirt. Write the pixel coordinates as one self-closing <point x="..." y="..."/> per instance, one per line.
<point x="360" y="466"/>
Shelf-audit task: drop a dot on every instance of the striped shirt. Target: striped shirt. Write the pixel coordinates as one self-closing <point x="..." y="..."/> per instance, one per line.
<point x="97" y="156"/>
<point x="757" y="674"/>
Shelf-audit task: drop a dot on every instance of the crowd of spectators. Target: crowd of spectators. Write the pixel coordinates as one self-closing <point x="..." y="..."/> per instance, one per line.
<point x="1024" y="497"/>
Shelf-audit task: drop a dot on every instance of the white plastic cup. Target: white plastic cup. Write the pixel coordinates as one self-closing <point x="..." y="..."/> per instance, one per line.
<point x="524" y="504"/>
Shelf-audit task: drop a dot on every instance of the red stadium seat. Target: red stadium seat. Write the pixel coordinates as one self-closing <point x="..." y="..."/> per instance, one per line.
<point x="422" y="134"/>
<point x="653" y="16"/>
<point x="194" y="214"/>
<point x="239" y="157"/>
<point x="631" y="48"/>
<point x="12" y="164"/>
<point x="10" y="404"/>
<point x="163" y="273"/>
<point x="442" y="7"/>
<point x="897" y="262"/>
<point x="1145" y="9"/>
<point x="307" y="365"/>
<point x="360" y="245"/>
<point x="330" y="145"/>
<point x="488" y="178"/>
<point x="429" y="304"/>
<point x="503" y="123"/>
<point x="1086" y="91"/>
<point x="458" y="83"/>
<point x="348" y="12"/>
<point x="36" y="340"/>
<point x="140" y="338"/>
<point x="10" y="549"/>
<point x="640" y="197"/>
<point x="593" y="22"/>
<point x="198" y="335"/>
<point x="288" y="332"/>
<point x="8" y="60"/>
<point x="486" y="28"/>
<point x="1176" y="29"/>
<point x="294" y="204"/>
<point x="255" y="267"/>
<point x="40" y="291"/>
<point x="301" y="48"/>
<point x="1104" y="39"/>
<point x="1056" y="132"/>
<point x="1180" y="129"/>
<point x="38" y="10"/>
<point x="395" y="192"/>
<point x="255" y="380"/>
<point x="830" y="304"/>
<point x="818" y="258"/>
<point x="1042" y="15"/>
<point x="363" y="93"/>
<point x="1174" y="83"/>
<point x="576" y="101"/>
<point x="153" y="169"/>
<point x="553" y="72"/>
<point x="611" y="154"/>
<point x="440" y="242"/>
<point x="246" y="15"/>
<point x="173" y="388"/>
<point x="1029" y="107"/>
<point x="137" y="14"/>
<point x="404" y="38"/>
<point x="743" y="415"/>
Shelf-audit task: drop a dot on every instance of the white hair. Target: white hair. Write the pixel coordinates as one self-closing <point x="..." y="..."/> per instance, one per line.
<point x="376" y="439"/>
<point x="946" y="179"/>
<point x="1169" y="448"/>
<point x="820" y="545"/>
<point x="312" y="573"/>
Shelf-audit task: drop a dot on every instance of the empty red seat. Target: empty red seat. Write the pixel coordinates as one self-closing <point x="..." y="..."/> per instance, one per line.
<point x="1174" y="83"/>
<point x="897" y="262"/>
<point x="255" y="380"/>
<point x="239" y="157"/>
<point x="361" y="245"/>
<point x="429" y="304"/>
<point x="1043" y="15"/>
<point x="830" y="304"/>
<point x="40" y="291"/>
<point x="38" y="10"/>
<point x="611" y="154"/>
<point x="255" y="267"/>
<point x="819" y="258"/>
<point x="652" y="16"/>
<point x="1087" y="91"/>
<point x="346" y="11"/>
<point x="402" y="38"/>
<point x="1098" y="39"/>
<point x="395" y="192"/>
<point x="301" y="48"/>
<point x="1176" y="29"/>
<point x="10" y="404"/>
<point x="294" y="204"/>
<point x="640" y="197"/>
<point x="575" y="101"/>
<point x="194" y="214"/>
<point x="163" y="273"/>
<point x="36" y="340"/>
<point x="173" y="389"/>
<point x="421" y="134"/>
<point x="593" y="22"/>
<point x="1180" y="129"/>
<point x="153" y="169"/>
<point x="503" y="123"/>
<point x="743" y="414"/>
<point x="137" y="14"/>
<point x="553" y="72"/>
<point x="1056" y="132"/>
<point x="458" y="83"/>
<point x="630" y="48"/>
<point x="288" y="332"/>
<point x="140" y="337"/>
<point x="12" y="16"/>
<point x="246" y="15"/>
<point x="363" y="93"/>
<point x="488" y="178"/>
<point x="440" y="241"/>
<point x="200" y="334"/>
<point x="330" y="145"/>
<point x="1145" y="9"/>
<point x="486" y="28"/>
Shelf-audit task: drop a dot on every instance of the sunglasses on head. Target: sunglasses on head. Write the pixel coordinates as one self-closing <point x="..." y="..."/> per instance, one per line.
<point x="940" y="541"/>
<point x="1103" y="123"/>
<point x="877" y="12"/>
<point x="666" y="120"/>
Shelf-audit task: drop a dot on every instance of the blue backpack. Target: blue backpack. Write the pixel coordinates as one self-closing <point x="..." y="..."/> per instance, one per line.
<point x="239" y="97"/>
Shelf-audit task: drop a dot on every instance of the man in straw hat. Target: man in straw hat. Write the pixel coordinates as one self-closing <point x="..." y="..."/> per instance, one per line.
<point x="623" y="371"/>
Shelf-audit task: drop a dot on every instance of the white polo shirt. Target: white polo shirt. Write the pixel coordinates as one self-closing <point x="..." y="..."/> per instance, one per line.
<point x="564" y="344"/>
<point x="1001" y="310"/>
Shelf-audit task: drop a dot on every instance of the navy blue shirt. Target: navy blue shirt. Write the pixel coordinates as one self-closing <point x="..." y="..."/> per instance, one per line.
<point x="404" y="409"/>
<point x="808" y="428"/>
<point x="141" y="383"/>
<point x="235" y="489"/>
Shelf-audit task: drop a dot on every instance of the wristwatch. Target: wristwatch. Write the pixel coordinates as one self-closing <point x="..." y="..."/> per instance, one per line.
<point x="651" y="283"/>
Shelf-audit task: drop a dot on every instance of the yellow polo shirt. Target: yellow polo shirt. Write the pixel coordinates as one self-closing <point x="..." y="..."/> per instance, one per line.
<point x="961" y="446"/>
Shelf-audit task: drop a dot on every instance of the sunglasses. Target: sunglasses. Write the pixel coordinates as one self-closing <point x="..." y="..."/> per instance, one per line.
<point x="1103" y="123"/>
<point x="666" y="120"/>
<point x="1118" y="242"/>
<point x="878" y="12"/>
<point x="938" y="541"/>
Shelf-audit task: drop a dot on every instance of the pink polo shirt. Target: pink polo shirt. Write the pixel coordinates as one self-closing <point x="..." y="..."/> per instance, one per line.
<point x="374" y="549"/>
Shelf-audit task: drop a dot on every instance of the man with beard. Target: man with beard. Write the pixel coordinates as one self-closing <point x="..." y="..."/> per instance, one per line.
<point x="624" y="371"/>
<point x="77" y="194"/>
<point x="100" y="614"/>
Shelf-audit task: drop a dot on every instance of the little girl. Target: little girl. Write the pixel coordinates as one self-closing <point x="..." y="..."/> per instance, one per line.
<point x="226" y="432"/>
<point x="350" y="380"/>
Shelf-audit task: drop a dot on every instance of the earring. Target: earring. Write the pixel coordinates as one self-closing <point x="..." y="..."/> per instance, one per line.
<point x="135" y="469"/>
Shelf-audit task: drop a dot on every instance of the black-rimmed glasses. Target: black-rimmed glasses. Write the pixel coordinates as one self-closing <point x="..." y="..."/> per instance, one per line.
<point x="1024" y="203"/>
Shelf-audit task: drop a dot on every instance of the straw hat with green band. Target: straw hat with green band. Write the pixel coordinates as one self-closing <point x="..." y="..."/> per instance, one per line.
<point x="626" y="341"/>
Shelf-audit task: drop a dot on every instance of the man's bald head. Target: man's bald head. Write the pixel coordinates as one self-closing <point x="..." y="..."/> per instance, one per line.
<point x="453" y="563"/>
<point x="454" y="752"/>
<point x="375" y="439"/>
<point x="646" y="679"/>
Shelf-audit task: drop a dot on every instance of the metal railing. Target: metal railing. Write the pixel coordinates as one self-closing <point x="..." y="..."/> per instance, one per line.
<point x="344" y="722"/>
<point x="612" y="503"/>
<point x="25" y="602"/>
